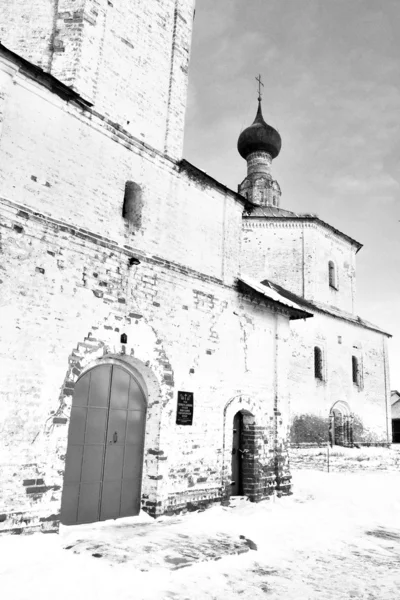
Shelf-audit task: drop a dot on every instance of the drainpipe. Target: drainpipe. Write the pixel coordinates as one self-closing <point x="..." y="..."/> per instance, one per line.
<point x="276" y="392"/>
<point x="386" y="373"/>
<point x="223" y="262"/>
<point x="303" y="283"/>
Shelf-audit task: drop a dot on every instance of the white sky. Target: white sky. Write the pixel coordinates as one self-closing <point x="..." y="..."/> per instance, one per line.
<point x="331" y="70"/>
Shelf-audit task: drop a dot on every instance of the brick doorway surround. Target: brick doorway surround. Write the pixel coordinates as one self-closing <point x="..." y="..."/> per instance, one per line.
<point x="258" y="477"/>
<point x="341" y="425"/>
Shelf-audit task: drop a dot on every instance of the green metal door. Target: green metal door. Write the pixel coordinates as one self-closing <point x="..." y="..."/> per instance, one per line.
<point x="103" y="470"/>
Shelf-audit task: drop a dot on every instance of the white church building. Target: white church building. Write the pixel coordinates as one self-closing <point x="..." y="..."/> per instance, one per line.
<point x="163" y="338"/>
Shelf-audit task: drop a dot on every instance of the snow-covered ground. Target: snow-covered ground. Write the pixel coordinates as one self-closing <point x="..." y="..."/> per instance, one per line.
<point x="347" y="459"/>
<point x="337" y="537"/>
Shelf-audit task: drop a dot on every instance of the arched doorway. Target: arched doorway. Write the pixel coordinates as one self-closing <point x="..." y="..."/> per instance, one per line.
<point x="243" y="450"/>
<point x="104" y="461"/>
<point x="341" y="425"/>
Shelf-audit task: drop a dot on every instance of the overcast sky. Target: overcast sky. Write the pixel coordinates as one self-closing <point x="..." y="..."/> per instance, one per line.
<point x="331" y="70"/>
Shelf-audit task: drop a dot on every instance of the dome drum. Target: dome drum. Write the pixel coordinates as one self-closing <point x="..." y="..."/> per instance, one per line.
<point x="259" y="162"/>
<point x="261" y="190"/>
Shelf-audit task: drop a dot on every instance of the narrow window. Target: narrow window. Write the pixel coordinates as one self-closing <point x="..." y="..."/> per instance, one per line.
<point x="332" y="275"/>
<point x="318" y="363"/>
<point x="132" y="206"/>
<point x="356" y="370"/>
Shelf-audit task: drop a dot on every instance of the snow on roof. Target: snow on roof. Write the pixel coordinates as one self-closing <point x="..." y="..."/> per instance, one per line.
<point x="320" y="307"/>
<point x="296" y="312"/>
<point x="395" y="397"/>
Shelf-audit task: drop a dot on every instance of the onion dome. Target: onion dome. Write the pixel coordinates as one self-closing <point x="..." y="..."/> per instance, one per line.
<point x="259" y="137"/>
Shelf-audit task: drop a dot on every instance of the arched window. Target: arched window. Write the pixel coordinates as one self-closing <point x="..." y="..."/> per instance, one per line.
<point x="332" y="275"/>
<point x="132" y="207"/>
<point x="355" y="370"/>
<point x="318" y="370"/>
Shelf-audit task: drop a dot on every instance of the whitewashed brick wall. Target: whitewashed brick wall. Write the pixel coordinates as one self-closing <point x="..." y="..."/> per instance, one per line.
<point x="273" y="251"/>
<point x="73" y="166"/>
<point x="68" y="297"/>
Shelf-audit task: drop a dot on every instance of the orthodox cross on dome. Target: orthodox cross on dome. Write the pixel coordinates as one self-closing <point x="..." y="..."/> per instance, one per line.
<point x="260" y="83"/>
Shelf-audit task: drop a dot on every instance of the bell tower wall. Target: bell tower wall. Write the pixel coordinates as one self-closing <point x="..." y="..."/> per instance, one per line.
<point x="128" y="59"/>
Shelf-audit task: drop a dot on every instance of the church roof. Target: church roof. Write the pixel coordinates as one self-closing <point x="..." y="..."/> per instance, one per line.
<point x="46" y="79"/>
<point x="395" y="396"/>
<point x="271" y="212"/>
<point x="296" y="312"/>
<point x="320" y="307"/>
<point x="205" y="179"/>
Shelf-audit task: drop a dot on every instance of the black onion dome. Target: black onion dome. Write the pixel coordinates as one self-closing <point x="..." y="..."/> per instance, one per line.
<point x="259" y="137"/>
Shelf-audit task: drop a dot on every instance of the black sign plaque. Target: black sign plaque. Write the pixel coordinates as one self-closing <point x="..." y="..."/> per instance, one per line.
<point x="184" y="411"/>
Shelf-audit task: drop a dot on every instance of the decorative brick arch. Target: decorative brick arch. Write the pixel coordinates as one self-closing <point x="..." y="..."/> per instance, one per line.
<point x="91" y="353"/>
<point x="259" y="478"/>
<point x="94" y="352"/>
<point x="341" y="421"/>
<point x="105" y="339"/>
<point x="343" y="407"/>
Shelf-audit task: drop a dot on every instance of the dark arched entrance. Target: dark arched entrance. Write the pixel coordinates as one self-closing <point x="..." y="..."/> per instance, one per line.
<point x="104" y="461"/>
<point x="237" y="451"/>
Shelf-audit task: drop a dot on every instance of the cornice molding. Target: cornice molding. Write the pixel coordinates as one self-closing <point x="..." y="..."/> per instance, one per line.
<point x="299" y="222"/>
